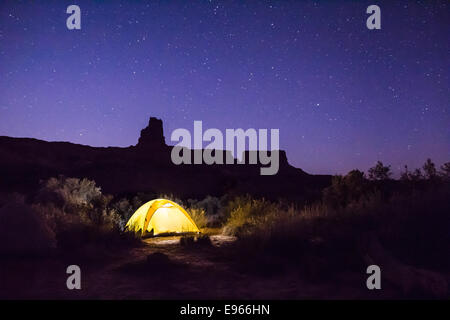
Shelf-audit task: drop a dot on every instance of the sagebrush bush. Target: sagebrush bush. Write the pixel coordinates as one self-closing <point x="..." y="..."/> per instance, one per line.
<point x="247" y="213"/>
<point x="321" y="237"/>
<point x="215" y="209"/>
<point x="199" y="217"/>
<point x="210" y="204"/>
<point x="346" y="189"/>
<point x="69" y="191"/>
<point x="125" y="210"/>
<point x="76" y="208"/>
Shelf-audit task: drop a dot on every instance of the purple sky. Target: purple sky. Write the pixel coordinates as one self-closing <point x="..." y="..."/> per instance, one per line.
<point x="342" y="96"/>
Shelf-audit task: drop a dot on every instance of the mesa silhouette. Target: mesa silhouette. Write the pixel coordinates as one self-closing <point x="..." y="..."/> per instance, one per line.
<point x="145" y="167"/>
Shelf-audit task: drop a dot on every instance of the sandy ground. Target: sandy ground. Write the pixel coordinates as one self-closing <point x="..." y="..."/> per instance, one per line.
<point x="183" y="272"/>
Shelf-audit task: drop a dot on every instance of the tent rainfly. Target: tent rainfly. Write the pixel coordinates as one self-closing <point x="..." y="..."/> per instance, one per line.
<point x="160" y="216"/>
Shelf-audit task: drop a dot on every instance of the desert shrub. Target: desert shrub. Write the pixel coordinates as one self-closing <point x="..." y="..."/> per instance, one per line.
<point x="190" y="241"/>
<point x="199" y="217"/>
<point x="445" y="171"/>
<point x="23" y="230"/>
<point x="429" y="168"/>
<point x="319" y="239"/>
<point x="204" y="240"/>
<point x="77" y="211"/>
<point x="247" y="213"/>
<point x="210" y="205"/>
<point x="125" y="210"/>
<point x="414" y="226"/>
<point x="317" y="210"/>
<point x="325" y="240"/>
<point x="217" y="209"/>
<point x="345" y="189"/>
<point x="380" y="172"/>
<point x="69" y="192"/>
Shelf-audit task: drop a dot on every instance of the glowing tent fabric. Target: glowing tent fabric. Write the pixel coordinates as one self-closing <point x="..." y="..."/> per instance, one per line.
<point x="160" y="216"/>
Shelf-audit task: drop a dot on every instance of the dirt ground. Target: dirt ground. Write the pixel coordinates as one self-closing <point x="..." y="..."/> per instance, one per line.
<point x="162" y="268"/>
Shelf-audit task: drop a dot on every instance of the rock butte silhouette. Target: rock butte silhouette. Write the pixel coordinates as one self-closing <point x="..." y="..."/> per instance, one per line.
<point x="145" y="167"/>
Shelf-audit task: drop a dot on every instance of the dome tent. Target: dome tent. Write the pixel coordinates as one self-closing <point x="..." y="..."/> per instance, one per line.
<point x="160" y="216"/>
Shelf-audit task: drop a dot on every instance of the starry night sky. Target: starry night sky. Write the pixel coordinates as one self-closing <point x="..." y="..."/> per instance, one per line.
<point x="342" y="96"/>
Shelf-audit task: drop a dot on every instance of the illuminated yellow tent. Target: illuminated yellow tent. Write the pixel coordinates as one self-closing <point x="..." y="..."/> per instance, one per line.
<point x="160" y="216"/>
